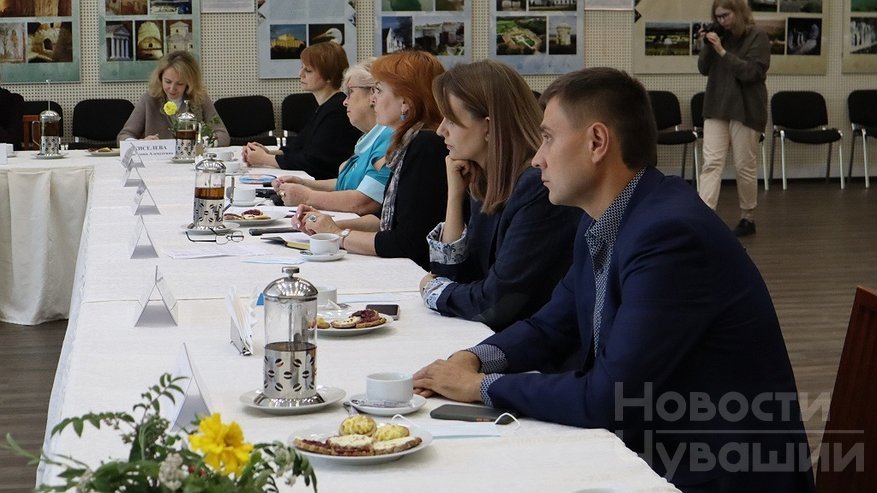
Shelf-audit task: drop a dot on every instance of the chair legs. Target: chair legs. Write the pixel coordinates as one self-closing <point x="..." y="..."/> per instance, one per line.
<point x="840" y="154"/>
<point x="765" y="178"/>
<point x="864" y="155"/>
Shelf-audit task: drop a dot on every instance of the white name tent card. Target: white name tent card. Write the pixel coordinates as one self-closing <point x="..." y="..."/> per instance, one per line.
<point x="131" y="181"/>
<point x="138" y="248"/>
<point x="243" y="319"/>
<point x="155" y="314"/>
<point x="130" y="157"/>
<point x="151" y="150"/>
<point x="194" y="403"/>
<point x="4" y="159"/>
<point x="141" y="207"/>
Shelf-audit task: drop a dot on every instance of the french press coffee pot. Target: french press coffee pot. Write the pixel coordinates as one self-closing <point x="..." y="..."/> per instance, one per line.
<point x="290" y="366"/>
<point x="50" y="133"/>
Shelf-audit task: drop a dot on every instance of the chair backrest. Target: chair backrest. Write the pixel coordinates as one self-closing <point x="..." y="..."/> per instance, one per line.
<point x="100" y="120"/>
<point x="36" y="107"/>
<point x="246" y="116"/>
<point x="296" y="110"/>
<point x="852" y="417"/>
<point x="665" y="107"/>
<point x="798" y="109"/>
<point x="697" y="110"/>
<point x="862" y="106"/>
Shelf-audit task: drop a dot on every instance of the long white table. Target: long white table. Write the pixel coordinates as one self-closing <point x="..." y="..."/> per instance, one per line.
<point x="42" y="206"/>
<point x="106" y="361"/>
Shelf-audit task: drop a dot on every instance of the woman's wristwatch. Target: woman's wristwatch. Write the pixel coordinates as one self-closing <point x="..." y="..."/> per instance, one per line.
<point x="344" y="234"/>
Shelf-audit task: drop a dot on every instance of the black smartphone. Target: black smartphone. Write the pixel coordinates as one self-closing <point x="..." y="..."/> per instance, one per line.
<point x="282" y="229"/>
<point x="471" y="413"/>
<point x="391" y="310"/>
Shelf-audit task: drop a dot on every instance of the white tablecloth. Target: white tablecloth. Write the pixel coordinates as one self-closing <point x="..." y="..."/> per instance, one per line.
<point x="42" y="206"/>
<point x="106" y="362"/>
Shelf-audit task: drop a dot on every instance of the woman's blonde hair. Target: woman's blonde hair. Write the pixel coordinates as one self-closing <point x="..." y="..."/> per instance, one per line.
<point x="493" y="90"/>
<point x="361" y="73"/>
<point x="410" y="74"/>
<point x="188" y="70"/>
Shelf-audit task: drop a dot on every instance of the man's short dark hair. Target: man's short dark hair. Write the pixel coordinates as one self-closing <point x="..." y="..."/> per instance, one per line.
<point x="618" y="100"/>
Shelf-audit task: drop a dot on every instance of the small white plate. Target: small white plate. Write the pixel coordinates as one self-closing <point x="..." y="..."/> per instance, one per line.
<point x="332" y="331"/>
<point x="275" y="216"/>
<point x="322" y="257"/>
<point x="425" y="437"/>
<point x="219" y="231"/>
<point x="111" y="152"/>
<point x="416" y="403"/>
<point x="183" y="160"/>
<point x="330" y="396"/>
<point x="50" y="156"/>
<point x="256" y="179"/>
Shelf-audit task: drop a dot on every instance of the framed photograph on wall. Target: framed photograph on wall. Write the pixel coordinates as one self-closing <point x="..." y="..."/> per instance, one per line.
<point x="538" y="36"/>
<point x="860" y="40"/>
<point x="436" y="26"/>
<point x="287" y="27"/>
<point x="136" y="33"/>
<point x="39" y="41"/>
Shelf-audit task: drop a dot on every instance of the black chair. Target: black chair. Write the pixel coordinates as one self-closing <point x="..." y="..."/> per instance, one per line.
<point x="801" y="117"/>
<point x="668" y="117"/>
<point x="295" y="112"/>
<point x="247" y="119"/>
<point x="97" y="122"/>
<point x="697" y="121"/>
<point x="862" y="106"/>
<point x="32" y="110"/>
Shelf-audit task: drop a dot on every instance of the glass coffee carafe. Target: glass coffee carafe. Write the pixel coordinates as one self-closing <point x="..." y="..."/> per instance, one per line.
<point x="290" y="365"/>
<point x="50" y="133"/>
<point x="209" y="194"/>
<point x="186" y="135"/>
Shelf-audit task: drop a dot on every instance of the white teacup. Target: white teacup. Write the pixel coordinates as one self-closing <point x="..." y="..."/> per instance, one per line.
<point x="232" y="166"/>
<point x="327" y="297"/>
<point x="389" y="386"/>
<point x="325" y="243"/>
<point x="9" y="149"/>
<point x="225" y="155"/>
<point x="244" y="195"/>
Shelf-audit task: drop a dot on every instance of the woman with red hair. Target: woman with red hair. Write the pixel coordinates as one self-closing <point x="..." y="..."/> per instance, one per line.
<point x="416" y="193"/>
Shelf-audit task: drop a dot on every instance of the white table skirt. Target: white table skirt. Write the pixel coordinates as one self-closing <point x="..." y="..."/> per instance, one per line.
<point x="106" y="362"/>
<point x="42" y="206"/>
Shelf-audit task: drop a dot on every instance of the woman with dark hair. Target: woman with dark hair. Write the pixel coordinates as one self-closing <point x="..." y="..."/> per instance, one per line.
<point x="417" y="191"/>
<point x="176" y="78"/>
<point x="328" y="137"/>
<point x="735" y="59"/>
<point x="501" y="263"/>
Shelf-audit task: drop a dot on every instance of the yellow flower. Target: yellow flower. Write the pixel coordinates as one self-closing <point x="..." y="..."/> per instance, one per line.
<point x="223" y="445"/>
<point x="169" y="108"/>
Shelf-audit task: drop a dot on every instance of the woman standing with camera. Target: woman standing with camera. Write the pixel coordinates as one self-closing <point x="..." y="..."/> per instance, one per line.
<point x="735" y="59"/>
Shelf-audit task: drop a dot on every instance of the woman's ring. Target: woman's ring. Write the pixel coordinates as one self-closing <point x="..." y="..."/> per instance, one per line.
<point x="312" y="218"/>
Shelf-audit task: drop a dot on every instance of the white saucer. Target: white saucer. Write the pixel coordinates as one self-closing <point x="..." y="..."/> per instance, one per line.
<point x="330" y="396"/>
<point x="183" y="160"/>
<point x="416" y="403"/>
<point x="219" y="231"/>
<point x="322" y="257"/>
<point x="50" y="156"/>
<point x="247" y="204"/>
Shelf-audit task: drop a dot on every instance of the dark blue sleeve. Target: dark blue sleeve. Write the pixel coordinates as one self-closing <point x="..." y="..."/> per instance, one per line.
<point x="533" y="252"/>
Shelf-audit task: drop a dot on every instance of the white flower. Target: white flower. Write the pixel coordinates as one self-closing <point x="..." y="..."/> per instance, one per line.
<point x="171" y="473"/>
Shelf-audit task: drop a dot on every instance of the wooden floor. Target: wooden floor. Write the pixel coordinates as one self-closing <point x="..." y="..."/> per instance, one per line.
<point x="815" y="244"/>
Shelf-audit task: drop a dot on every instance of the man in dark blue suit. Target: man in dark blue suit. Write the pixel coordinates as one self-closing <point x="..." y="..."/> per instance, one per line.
<point x="677" y="343"/>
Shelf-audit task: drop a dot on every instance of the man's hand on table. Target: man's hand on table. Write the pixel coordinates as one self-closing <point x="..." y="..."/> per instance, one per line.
<point x="456" y="378"/>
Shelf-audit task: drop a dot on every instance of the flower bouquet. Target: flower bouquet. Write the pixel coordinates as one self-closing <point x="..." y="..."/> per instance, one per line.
<point x="214" y="459"/>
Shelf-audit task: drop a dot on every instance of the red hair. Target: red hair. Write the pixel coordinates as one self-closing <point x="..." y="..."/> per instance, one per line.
<point x="409" y="74"/>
